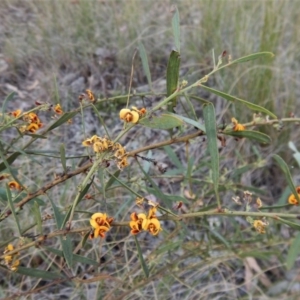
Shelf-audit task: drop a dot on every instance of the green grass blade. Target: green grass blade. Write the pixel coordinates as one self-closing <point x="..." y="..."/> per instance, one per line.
<point x="63" y="119"/>
<point x="293" y="252"/>
<point x="253" y="57"/>
<point x="211" y="133"/>
<point x="141" y="258"/>
<point x="250" y="134"/>
<point x="12" y="208"/>
<point x="63" y="157"/>
<point x="38" y="273"/>
<point x="145" y="63"/>
<point x="176" y="29"/>
<point x="172" y="78"/>
<point x="244" y="102"/>
<point x="164" y="121"/>
<point x="285" y="169"/>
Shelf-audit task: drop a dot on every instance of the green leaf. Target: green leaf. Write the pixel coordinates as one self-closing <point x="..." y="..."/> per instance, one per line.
<point x="176" y="29"/>
<point x="275" y="206"/>
<point x="285" y="169"/>
<point x="76" y="257"/>
<point x="145" y="63"/>
<point x="66" y="243"/>
<point x="38" y="273"/>
<point x="141" y="257"/>
<point x="250" y="134"/>
<point x="289" y="223"/>
<point x="9" y="160"/>
<point x="37" y="216"/>
<point x="211" y="133"/>
<point x="82" y="194"/>
<point x="293" y="252"/>
<point x="244" y="102"/>
<point x="172" y="78"/>
<point x="264" y="255"/>
<point x="112" y="179"/>
<point x="6" y="100"/>
<point x="12" y="208"/>
<point x="63" y="119"/>
<point x="63" y="157"/>
<point x="173" y="157"/>
<point x="217" y="236"/>
<point x="252" y="57"/>
<point x="164" y="121"/>
<point x="57" y="214"/>
<point x="190" y="109"/>
<point x="190" y="121"/>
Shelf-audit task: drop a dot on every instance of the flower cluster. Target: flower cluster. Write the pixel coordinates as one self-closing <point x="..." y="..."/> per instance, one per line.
<point x="292" y="199"/>
<point x="236" y="125"/>
<point x="11" y="261"/>
<point x="33" y="123"/>
<point x="132" y="115"/>
<point x="101" y="145"/>
<point x="87" y="95"/>
<point x="101" y="224"/>
<point x="13" y="185"/>
<point x="57" y="109"/>
<point x="260" y="226"/>
<point x="16" y="113"/>
<point x="141" y="222"/>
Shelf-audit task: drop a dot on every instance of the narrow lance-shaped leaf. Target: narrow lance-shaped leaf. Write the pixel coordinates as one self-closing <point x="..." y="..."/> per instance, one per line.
<point x="57" y="214"/>
<point x="141" y="258"/>
<point x="67" y="247"/>
<point x="76" y="257"/>
<point x="81" y="195"/>
<point x="176" y="29"/>
<point x="244" y="102"/>
<point x="164" y="121"/>
<point x="6" y="100"/>
<point x="289" y="223"/>
<point x="63" y="157"/>
<point x="285" y="169"/>
<point x="38" y="273"/>
<point x="252" y="57"/>
<point x="37" y="216"/>
<point x="211" y="133"/>
<point x="12" y="208"/>
<point x="112" y="179"/>
<point x="63" y="119"/>
<point x="173" y="77"/>
<point x="250" y="134"/>
<point x="190" y="121"/>
<point x="66" y="243"/>
<point x="293" y="252"/>
<point x="145" y="63"/>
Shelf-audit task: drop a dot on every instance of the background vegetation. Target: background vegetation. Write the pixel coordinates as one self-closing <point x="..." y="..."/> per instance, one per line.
<point x="51" y="51"/>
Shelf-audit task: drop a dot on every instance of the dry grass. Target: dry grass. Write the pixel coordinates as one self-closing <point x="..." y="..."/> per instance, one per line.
<point x="51" y="51"/>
